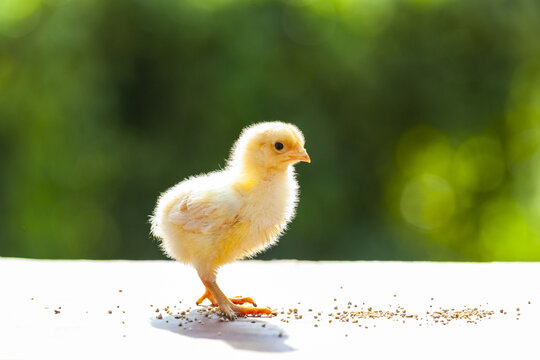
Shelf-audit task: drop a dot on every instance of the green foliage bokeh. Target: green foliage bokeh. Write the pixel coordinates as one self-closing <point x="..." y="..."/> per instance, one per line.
<point x="422" y="119"/>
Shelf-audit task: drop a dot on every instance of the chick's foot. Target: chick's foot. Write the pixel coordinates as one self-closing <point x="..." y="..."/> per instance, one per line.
<point x="227" y="311"/>
<point x="207" y="295"/>
<point x="248" y="310"/>
<point x="237" y="300"/>
<point x="232" y="311"/>
<point x="227" y="305"/>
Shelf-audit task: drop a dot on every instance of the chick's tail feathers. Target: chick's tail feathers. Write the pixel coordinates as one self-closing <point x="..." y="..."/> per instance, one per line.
<point x="157" y="219"/>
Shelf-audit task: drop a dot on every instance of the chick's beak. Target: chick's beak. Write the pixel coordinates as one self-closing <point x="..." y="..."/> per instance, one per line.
<point x="300" y="155"/>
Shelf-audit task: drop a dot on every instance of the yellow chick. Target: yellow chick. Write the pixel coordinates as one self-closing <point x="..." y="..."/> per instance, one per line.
<point x="213" y="219"/>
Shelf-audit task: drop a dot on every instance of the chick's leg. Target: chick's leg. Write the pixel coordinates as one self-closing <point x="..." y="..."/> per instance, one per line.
<point x="226" y="306"/>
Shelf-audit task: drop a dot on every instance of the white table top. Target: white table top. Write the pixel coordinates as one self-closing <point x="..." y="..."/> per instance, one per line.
<point x="85" y="291"/>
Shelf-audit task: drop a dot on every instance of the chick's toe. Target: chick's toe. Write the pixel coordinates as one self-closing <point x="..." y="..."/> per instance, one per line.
<point x="238" y="300"/>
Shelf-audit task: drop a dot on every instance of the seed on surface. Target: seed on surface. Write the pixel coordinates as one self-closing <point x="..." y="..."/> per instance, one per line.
<point x="159" y="316"/>
<point x="110" y="311"/>
<point x="57" y="311"/>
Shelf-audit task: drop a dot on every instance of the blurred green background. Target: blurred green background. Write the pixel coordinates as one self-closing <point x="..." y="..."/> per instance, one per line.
<point x="422" y="119"/>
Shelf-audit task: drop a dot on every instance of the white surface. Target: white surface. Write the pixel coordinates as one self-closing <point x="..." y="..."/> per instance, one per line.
<point x="87" y="290"/>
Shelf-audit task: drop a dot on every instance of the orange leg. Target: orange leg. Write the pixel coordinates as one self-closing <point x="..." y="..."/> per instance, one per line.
<point x="227" y="306"/>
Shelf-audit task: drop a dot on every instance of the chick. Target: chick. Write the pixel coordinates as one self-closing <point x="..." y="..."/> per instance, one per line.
<point x="213" y="219"/>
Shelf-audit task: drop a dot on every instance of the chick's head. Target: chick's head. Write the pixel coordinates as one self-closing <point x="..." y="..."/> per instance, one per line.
<point x="269" y="146"/>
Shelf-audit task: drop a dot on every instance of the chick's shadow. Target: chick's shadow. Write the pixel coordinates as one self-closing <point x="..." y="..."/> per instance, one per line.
<point x="243" y="333"/>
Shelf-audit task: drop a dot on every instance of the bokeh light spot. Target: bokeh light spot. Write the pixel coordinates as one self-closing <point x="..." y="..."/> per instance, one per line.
<point x="424" y="150"/>
<point x="427" y="202"/>
<point x="13" y="10"/>
<point x="505" y="233"/>
<point x="478" y="164"/>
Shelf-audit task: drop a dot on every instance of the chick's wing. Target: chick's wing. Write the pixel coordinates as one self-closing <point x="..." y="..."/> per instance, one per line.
<point x="206" y="212"/>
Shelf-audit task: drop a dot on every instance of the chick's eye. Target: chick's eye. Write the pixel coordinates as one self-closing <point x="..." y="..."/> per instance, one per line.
<point x="278" y="146"/>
